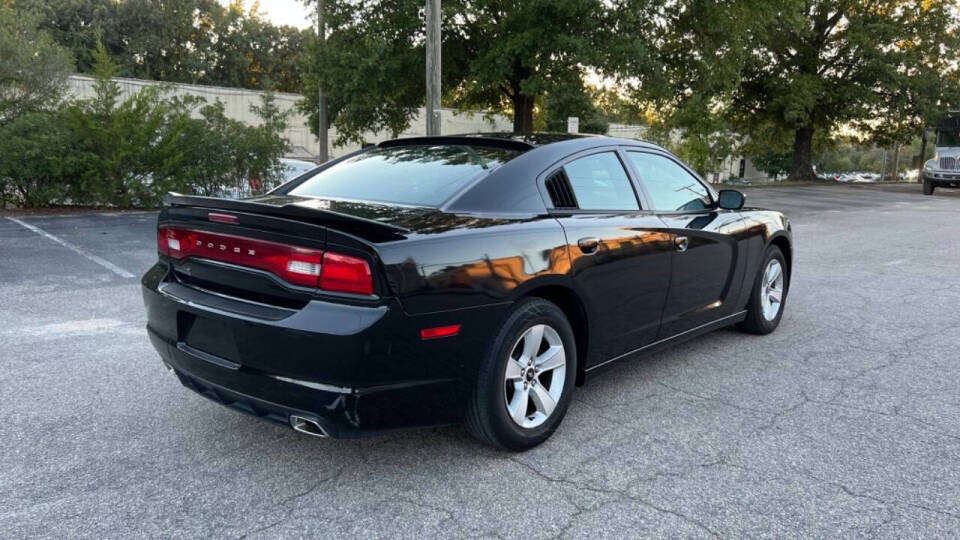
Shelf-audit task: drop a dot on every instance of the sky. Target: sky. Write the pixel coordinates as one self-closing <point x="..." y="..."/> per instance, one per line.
<point x="282" y="12"/>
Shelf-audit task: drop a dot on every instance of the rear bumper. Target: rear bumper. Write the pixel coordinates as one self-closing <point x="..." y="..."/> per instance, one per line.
<point x="355" y="370"/>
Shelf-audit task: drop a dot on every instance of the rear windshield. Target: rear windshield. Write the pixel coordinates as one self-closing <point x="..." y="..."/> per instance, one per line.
<point x="419" y="175"/>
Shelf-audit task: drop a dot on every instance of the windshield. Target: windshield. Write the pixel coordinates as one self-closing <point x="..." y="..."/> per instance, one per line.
<point x="418" y="175"/>
<point x="948" y="137"/>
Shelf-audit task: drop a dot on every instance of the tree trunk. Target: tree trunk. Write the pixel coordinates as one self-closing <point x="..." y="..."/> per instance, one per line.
<point x="522" y="113"/>
<point x="802" y="168"/>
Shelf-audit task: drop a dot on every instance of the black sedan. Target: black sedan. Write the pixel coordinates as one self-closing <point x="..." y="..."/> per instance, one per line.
<point x="472" y="279"/>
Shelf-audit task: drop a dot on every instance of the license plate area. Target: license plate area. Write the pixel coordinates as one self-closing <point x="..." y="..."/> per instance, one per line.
<point x="208" y="335"/>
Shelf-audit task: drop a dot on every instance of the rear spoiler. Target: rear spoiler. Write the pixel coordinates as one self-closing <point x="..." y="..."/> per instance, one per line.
<point x="307" y="211"/>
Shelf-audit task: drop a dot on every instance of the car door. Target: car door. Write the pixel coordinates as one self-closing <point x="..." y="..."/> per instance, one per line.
<point x="705" y="250"/>
<point x="620" y="254"/>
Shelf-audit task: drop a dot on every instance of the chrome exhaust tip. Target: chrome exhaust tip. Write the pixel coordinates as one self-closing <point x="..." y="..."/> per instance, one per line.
<point x="308" y="426"/>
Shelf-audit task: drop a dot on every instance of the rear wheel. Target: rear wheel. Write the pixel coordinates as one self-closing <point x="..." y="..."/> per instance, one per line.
<point x="525" y="381"/>
<point x="928" y="187"/>
<point x="769" y="294"/>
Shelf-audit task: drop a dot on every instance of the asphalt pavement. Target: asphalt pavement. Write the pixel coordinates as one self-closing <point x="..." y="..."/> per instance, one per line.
<point x="843" y="423"/>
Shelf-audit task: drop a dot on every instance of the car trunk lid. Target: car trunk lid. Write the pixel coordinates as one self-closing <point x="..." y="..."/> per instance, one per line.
<point x="267" y="249"/>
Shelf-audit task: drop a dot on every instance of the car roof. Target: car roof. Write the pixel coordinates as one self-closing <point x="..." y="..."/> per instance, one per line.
<point x="519" y="141"/>
<point x="499" y="192"/>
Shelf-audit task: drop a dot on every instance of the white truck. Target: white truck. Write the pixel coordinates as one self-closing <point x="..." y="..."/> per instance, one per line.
<point x="944" y="169"/>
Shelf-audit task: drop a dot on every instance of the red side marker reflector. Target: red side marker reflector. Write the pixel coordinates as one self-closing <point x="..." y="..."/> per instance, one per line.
<point x="223" y="218"/>
<point x="440" y="332"/>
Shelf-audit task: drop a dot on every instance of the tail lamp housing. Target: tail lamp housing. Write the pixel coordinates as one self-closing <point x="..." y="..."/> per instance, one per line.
<point x="296" y="265"/>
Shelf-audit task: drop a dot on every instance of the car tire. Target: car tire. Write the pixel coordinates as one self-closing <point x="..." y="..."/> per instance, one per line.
<point x="928" y="187"/>
<point x="762" y="316"/>
<point x="499" y="409"/>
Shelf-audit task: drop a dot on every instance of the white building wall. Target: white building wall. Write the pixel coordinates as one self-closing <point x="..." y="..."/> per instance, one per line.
<point x="237" y="102"/>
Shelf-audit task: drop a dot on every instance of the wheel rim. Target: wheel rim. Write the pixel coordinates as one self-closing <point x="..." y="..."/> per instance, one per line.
<point x="534" y="377"/>
<point x="771" y="290"/>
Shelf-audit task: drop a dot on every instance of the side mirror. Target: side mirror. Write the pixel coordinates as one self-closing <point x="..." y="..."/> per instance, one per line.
<point x="731" y="199"/>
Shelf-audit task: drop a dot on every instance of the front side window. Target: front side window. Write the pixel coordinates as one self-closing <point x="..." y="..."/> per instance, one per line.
<point x="600" y="183"/>
<point x="418" y="175"/>
<point x="671" y="187"/>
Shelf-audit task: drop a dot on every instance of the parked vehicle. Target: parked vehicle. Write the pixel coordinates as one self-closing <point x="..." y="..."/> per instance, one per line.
<point x="944" y="169"/>
<point x="472" y="279"/>
<point x="293" y="168"/>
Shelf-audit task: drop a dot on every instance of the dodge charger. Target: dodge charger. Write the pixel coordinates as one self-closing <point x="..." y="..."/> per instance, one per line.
<point x="461" y="279"/>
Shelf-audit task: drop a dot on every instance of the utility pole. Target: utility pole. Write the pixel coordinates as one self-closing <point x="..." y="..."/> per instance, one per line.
<point x="883" y="166"/>
<point x="433" y="68"/>
<point x="896" y="163"/>
<point x="322" y="113"/>
<point x="923" y="155"/>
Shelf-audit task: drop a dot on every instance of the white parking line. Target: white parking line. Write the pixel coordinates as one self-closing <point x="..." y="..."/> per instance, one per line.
<point x="102" y="262"/>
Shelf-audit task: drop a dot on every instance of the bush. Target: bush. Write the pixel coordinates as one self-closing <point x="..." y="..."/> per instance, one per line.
<point x="107" y="152"/>
<point x="31" y="171"/>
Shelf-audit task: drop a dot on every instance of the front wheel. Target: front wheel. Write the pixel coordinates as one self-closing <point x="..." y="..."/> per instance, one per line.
<point x="525" y="381"/>
<point x="769" y="294"/>
<point x="928" y="187"/>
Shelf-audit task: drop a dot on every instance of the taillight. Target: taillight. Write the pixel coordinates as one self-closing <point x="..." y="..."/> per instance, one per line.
<point x="346" y="274"/>
<point x="296" y="265"/>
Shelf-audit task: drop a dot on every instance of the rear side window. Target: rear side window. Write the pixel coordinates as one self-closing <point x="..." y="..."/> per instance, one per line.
<point x="418" y="175"/>
<point x="600" y="183"/>
<point x="671" y="187"/>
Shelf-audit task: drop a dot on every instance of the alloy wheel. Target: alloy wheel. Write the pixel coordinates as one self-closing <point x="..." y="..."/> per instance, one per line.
<point x="534" y="377"/>
<point x="771" y="290"/>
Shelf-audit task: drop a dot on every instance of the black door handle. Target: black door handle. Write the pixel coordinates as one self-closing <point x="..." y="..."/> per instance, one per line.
<point x="589" y="245"/>
<point x="681" y="242"/>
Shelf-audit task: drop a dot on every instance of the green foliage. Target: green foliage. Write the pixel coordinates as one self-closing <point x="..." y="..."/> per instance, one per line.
<point x="878" y="66"/>
<point x="573" y="100"/>
<point x="33" y="69"/>
<point x="772" y="162"/>
<point x="788" y="72"/>
<point x="31" y="170"/>
<point x="108" y="151"/>
<point x="226" y="153"/>
<point x="371" y="68"/>
<point x="497" y="55"/>
<point x="503" y="55"/>
<point x="184" y="41"/>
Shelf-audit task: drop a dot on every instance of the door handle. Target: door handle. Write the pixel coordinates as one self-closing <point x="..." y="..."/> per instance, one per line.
<point x="589" y="245"/>
<point x="681" y="243"/>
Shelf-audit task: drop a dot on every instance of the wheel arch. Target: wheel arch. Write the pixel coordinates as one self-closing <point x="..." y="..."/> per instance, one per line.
<point x="573" y="307"/>
<point x="783" y="242"/>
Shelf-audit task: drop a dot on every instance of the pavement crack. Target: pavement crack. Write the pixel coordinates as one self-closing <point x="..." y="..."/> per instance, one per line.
<point x="260" y="529"/>
<point x="618" y="493"/>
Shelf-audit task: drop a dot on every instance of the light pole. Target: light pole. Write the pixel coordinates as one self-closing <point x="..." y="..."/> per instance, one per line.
<point x="322" y="103"/>
<point x="433" y="67"/>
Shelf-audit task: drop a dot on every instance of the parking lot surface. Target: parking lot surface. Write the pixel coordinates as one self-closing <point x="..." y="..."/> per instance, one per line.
<point x="844" y="422"/>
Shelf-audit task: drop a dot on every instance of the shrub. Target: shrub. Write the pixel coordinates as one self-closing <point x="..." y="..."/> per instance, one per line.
<point x="31" y="173"/>
<point x="128" y="153"/>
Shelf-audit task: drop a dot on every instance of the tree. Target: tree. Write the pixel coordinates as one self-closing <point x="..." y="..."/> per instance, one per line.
<point x="33" y="69"/>
<point x="186" y="41"/>
<point x="75" y="25"/>
<point x="371" y="67"/>
<point x="679" y="62"/>
<point x="573" y="100"/>
<point x="772" y="162"/>
<point x="498" y="55"/>
<point x="248" y="52"/>
<point x="504" y="54"/>
<point x="884" y="67"/>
